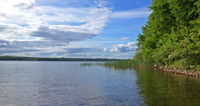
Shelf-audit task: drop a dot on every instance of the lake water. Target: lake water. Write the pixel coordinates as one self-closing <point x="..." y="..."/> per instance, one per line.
<point x="40" y="83"/>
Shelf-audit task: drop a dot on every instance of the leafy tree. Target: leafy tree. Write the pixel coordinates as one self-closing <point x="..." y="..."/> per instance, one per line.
<point x="172" y="33"/>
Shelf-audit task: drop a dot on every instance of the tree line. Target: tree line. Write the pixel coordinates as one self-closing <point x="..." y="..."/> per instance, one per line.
<point x="171" y="34"/>
<point x="53" y="59"/>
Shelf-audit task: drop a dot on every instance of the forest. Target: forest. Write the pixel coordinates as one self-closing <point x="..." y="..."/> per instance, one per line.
<point x="171" y="35"/>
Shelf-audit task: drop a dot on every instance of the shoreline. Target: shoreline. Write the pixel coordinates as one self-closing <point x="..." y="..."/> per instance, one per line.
<point x="179" y="71"/>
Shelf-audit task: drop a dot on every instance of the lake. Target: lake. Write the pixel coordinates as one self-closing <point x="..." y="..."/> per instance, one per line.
<point x="50" y="83"/>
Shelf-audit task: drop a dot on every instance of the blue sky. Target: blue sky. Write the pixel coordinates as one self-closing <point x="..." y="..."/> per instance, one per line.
<point x="71" y="28"/>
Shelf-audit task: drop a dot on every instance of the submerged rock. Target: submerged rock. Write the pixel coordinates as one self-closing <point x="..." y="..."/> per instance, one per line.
<point x="175" y="68"/>
<point x="166" y="66"/>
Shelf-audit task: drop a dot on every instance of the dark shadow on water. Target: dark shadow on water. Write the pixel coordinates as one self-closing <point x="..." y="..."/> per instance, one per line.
<point x="160" y="88"/>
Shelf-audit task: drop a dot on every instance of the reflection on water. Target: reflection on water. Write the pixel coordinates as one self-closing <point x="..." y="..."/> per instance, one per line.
<point x="159" y="88"/>
<point x="70" y="83"/>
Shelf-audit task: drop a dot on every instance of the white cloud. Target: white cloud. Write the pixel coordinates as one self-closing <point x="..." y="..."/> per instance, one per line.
<point x="105" y="49"/>
<point x="25" y="4"/>
<point x="101" y="3"/>
<point x="130" y="46"/>
<point x="27" y="24"/>
<point x="125" y="38"/>
<point x="9" y="5"/>
<point x="103" y="38"/>
<point x="3" y="44"/>
<point x="27" y="28"/>
<point x="136" y="13"/>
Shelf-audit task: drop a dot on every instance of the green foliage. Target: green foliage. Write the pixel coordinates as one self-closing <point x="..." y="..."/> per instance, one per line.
<point x="91" y="64"/>
<point x="125" y="64"/>
<point x="198" y="67"/>
<point x="171" y="35"/>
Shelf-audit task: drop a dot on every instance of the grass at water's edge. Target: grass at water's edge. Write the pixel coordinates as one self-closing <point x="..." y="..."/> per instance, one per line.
<point x="125" y="63"/>
<point x="91" y="64"/>
<point x="119" y="64"/>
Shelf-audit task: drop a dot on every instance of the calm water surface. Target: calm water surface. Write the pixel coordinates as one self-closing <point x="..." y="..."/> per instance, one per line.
<point x="29" y="83"/>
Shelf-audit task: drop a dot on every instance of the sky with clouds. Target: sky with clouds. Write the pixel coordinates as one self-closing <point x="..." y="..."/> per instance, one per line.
<point x="71" y="28"/>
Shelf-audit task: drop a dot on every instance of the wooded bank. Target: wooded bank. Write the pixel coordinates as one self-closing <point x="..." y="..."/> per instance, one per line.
<point x="171" y="35"/>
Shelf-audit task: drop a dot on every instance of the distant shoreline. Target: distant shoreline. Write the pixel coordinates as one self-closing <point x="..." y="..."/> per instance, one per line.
<point x="17" y="58"/>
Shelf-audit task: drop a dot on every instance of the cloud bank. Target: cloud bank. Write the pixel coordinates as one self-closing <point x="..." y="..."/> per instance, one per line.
<point x="130" y="46"/>
<point x="25" y="24"/>
<point x="30" y="29"/>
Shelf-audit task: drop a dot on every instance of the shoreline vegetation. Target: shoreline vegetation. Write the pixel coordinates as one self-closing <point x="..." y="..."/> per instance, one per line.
<point x="125" y="64"/>
<point x="16" y="58"/>
<point x="189" y="71"/>
<point x="170" y="39"/>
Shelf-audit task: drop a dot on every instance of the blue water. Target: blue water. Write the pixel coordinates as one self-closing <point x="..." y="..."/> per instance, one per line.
<point x="43" y="83"/>
<point x="35" y="83"/>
